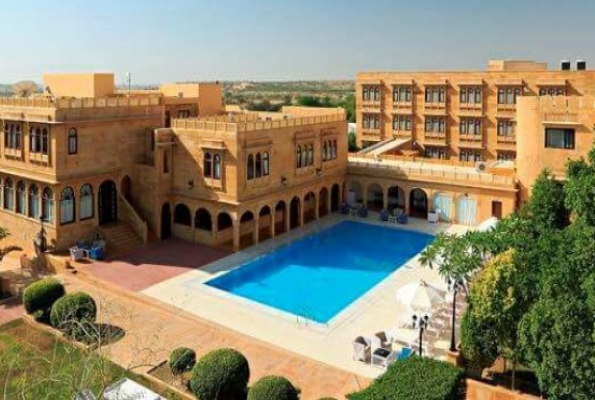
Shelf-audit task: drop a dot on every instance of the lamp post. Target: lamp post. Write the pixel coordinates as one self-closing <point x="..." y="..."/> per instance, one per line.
<point x="455" y="286"/>
<point x="421" y="322"/>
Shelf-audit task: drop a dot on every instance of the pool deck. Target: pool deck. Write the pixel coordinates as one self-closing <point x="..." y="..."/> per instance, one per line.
<point x="378" y="310"/>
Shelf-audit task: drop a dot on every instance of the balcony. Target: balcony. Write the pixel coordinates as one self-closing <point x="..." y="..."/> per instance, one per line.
<point x="435" y="138"/>
<point x="562" y="118"/>
<point x="13" y="153"/>
<point x="435" y="108"/>
<point x="39" y="158"/>
<point x="471" y="109"/>
<point x="506" y="142"/>
<point x="471" y="141"/>
<point x="402" y="134"/>
<point x="402" y="107"/>
<point x="369" y="134"/>
<point x="371" y="105"/>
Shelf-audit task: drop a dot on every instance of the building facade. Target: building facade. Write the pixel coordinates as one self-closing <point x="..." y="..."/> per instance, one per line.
<point x="85" y="159"/>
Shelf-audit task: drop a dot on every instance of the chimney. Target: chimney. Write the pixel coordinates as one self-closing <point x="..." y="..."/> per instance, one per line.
<point x="581" y="65"/>
<point x="565" y="65"/>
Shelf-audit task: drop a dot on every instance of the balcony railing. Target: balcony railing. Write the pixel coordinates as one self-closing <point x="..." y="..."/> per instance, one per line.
<point x="560" y="118"/>
<point x="373" y="104"/>
<point x="507" y="139"/>
<point x="402" y="134"/>
<point x="13" y="153"/>
<point x="39" y="158"/>
<point x="471" y="138"/>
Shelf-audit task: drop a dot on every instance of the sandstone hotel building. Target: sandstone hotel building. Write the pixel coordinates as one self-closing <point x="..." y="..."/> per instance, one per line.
<point x="136" y="166"/>
<point x="85" y="158"/>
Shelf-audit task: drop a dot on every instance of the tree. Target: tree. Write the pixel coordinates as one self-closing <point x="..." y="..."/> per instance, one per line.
<point x="5" y="250"/>
<point x="351" y="139"/>
<point x="580" y="187"/>
<point x="547" y="205"/>
<point x="25" y="88"/>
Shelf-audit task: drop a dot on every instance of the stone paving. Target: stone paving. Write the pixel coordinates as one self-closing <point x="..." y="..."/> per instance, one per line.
<point x="147" y="266"/>
<point x="153" y="329"/>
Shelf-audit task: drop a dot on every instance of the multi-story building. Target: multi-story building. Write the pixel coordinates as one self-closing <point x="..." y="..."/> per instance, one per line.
<point x="468" y="145"/>
<point x="461" y="115"/>
<point x="85" y="158"/>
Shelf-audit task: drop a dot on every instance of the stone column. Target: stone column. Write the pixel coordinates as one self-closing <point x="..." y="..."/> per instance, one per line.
<point x="214" y="230"/>
<point x="316" y="207"/>
<point x="256" y="233"/>
<point x="236" y="235"/>
<point x="286" y="217"/>
<point x="273" y="219"/>
<point x="385" y="198"/>
<point x="328" y="200"/>
<point x="301" y="218"/>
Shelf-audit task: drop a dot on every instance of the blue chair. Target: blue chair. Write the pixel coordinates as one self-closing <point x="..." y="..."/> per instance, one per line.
<point x="384" y="215"/>
<point x="97" y="253"/>
<point x="363" y="212"/>
<point x="404" y="353"/>
<point x="344" y="209"/>
<point x="402" y="218"/>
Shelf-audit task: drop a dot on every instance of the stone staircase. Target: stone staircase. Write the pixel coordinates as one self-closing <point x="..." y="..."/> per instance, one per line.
<point x="120" y="239"/>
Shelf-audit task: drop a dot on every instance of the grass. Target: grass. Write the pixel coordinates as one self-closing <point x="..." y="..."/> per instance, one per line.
<point x="37" y="365"/>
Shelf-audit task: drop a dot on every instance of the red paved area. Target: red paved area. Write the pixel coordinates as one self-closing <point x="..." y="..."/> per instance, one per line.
<point x="10" y="311"/>
<point x="154" y="263"/>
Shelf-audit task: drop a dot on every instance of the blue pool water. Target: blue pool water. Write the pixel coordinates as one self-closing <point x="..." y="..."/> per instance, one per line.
<point x="319" y="275"/>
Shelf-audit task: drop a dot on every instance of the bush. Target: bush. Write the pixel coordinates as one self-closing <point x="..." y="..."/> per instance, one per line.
<point x="40" y="296"/>
<point x="221" y="375"/>
<point x="181" y="359"/>
<point x="273" y="388"/>
<point x="416" y="378"/>
<point x="74" y="314"/>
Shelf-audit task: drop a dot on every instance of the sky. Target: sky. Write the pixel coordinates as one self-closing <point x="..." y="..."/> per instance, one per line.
<point x="179" y="40"/>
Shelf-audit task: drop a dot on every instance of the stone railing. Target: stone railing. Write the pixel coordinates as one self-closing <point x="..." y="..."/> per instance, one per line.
<point x="247" y="126"/>
<point x="427" y="171"/>
<point x="482" y="391"/>
<point x="73" y="103"/>
<point x="129" y="215"/>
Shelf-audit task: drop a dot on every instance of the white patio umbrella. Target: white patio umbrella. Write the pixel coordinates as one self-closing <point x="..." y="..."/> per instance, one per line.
<point x="420" y="296"/>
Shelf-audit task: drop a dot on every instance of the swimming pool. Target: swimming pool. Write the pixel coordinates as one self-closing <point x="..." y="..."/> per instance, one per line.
<point x="319" y="275"/>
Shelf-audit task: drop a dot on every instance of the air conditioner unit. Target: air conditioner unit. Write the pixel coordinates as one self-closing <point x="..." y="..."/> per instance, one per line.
<point x="481" y="166"/>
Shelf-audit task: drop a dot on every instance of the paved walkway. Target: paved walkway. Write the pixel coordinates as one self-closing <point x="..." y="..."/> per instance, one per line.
<point x="152" y="264"/>
<point x="11" y="310"/>
<point x="153" y="329"/>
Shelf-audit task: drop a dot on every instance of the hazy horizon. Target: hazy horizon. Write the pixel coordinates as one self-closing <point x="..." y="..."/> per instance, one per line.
<point x="237" y="40"/>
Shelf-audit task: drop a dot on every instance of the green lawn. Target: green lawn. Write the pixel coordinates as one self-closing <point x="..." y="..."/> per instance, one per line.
<point x="36" y="365"/>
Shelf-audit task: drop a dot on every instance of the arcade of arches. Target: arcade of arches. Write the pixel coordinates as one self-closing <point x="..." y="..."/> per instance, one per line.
<point x="463" y="205"/>
<point x="251" y="223"/>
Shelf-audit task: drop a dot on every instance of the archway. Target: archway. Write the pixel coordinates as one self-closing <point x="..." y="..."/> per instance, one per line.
<point x="224" y="229"/>
<point x="108" y="202"/>
<point x="396" y="198"/>
<point x="280" y="215"/>
<point x="224" y="221"/>
<point x="355" y="194"/>
<point x="375" y="197"/>
<point x="265" y="224"/>
<point x="165" y="221"/>
<point x="441" y="202"/>
<point x="126" y="188"/>
<point x="335" y="198"/>
<point x="203" y="220"/>
<point x="322" y="202"/>
<point x="418" y="203"/>
<point x="294" y="213"/>
<point x="182" y="215"/>
<point x="309" y="207"/>
<point x="466" y="210"/>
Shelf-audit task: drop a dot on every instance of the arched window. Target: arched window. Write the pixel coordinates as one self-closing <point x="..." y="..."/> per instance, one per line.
<point x="33" y="201"/>
<point x="45" y="145"/>
<point x="334" y="149"/>
<point x="86" y="202"/>
<point x="258" y="166"/>
<point x="17" y="138"/>
<point x="311" y="154"/>
<point x="298" y="156"/>
<point x="67" y="206"/>
<point x="265" y="164"/>
<point x="47" y="205"/>
<point x="202" y="220"/>
<point x="324" y="152"/>
<point x="21" y="197"/>
<point x="250" y="167"/>
<point x="8" y="194"/>
<point x="33" y="141"/>
<point x="182" y="215"/>
<point x="208" y="166"/>
<point x="72" y="141"/>
<point x="305" y="156"/>
<point x="217" y="167"/>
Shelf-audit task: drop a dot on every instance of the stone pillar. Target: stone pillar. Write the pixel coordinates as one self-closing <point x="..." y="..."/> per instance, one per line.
<point x="328" y="200"/>
<point x="236" y="235"/>
<point x="256" y="233"/>
<point x="286" y="217"/>
<point x="407" y="193"/>
<point x="385" y="198"/>
<point x="301" y="218"/>
<point x="273" y="221"/>
<point x="214" y="230"/>
<point x="316" y="207"/>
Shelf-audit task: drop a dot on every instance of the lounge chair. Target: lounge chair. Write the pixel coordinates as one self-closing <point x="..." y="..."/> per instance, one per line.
<point x="383" y="215"/>
<point x="362" y="349"/>
<point x="345" y="208"/>
<point x="362" y="212"/>
<point x="402" y="218"/>
<point x="381" y="341"/>
<point x="434" y="217"/>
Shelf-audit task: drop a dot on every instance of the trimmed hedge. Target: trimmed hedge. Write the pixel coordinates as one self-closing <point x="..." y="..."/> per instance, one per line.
<point x="221" y="375"/>
<point x="181" y="359"/>
<point x="273" y="388"/>
<point x="74" y="314"/>
<point x="40" y="296"/>
<point x="416" y="378"/>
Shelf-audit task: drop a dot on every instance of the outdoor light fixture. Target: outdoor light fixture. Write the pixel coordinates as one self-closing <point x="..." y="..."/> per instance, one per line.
<point x="318" y="171"/>
<point x="283" y="181"/>
<point x="190" y="184"/>
<point x="421" y="322"/>
<point x="455" y="286"/>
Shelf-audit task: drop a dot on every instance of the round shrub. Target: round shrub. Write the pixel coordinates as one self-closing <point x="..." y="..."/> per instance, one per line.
<point x="181" y="359"/>
<point x="40" y="296"/>
<point x="273" y="388"/>
<point x="74" y="314"/>
<point x="220" y="375"/>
